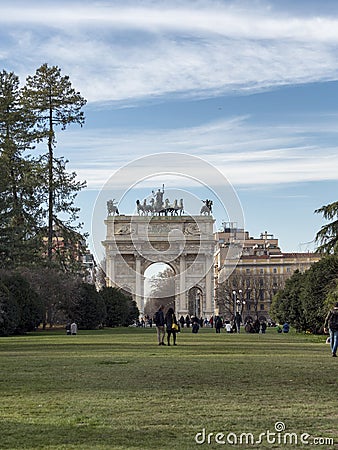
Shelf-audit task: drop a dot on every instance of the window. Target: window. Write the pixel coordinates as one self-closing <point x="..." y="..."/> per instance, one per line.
<point x="262" y="306"/>
<point x="275" y="270"/>
<point x="247" y="270"/>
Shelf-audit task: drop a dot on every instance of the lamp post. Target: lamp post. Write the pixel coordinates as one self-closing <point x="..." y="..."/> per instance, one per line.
<point x="240" y="303"/>
<point x="234" y="298"/>
<point x="238" y="300"/>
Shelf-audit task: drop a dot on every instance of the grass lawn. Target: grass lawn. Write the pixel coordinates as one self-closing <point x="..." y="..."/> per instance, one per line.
<point x="117" y="389"/>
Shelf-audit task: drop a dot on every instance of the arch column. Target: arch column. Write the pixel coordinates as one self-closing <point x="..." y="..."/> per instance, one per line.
<point x="182" y="306"/>
<point x="209" y="307"/>
<point x="110" y="269"/>
<point x="138" y="292"/>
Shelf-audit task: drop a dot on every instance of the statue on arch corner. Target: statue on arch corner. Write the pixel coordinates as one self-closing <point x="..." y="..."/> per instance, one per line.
<point x="112" y="208"/>
<point x="207" y="207"/>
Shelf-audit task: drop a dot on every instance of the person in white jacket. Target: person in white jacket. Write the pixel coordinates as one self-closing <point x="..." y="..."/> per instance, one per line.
<point x="73" y="328"/>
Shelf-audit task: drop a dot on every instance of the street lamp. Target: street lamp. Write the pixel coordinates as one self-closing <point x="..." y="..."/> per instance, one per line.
<point x="242" y="303"/>
<point x="234" y="298"/>
<point x="238" y="300"/>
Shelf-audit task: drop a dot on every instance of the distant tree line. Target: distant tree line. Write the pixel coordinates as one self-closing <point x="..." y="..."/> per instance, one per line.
<point x="307" y="296"/>
<point x="23" y="309"/>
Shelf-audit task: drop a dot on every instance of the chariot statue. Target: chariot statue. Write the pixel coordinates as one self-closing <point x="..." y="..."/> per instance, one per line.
<point x="157" y="206"/>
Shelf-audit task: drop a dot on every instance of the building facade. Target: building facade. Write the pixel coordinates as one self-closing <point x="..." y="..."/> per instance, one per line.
<point x="248" y="284"/>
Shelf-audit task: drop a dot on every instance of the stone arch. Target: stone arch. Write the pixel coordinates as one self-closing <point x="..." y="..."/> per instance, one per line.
<point x="134" y="243"/>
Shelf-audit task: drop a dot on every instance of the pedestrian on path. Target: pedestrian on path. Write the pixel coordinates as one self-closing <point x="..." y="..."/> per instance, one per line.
<point x="331" y="325"/>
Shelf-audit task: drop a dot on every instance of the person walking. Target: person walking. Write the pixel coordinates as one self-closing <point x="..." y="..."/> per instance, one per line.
<point x="238" y="322"/>
<point x="159" y="322"/>
<point x="331" y="325"/>
<point x="172" y="326"/>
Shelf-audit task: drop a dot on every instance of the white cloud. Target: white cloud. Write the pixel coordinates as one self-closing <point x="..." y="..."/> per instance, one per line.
<point x="246" y="154"/>
<point x="123" y="53"/>
<point x="230" y="20"/>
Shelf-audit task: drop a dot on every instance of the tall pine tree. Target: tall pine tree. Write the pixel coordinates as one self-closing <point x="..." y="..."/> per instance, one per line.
<point x="327" y="236"/>
<point x="20" y="178"/>
<point x="54" y="102"/>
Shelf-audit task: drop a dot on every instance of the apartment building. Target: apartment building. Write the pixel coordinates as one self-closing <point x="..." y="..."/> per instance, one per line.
<point x="249" y="271"/>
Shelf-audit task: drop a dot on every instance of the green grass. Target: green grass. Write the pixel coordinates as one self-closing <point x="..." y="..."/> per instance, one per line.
<point x="117" y="389"/>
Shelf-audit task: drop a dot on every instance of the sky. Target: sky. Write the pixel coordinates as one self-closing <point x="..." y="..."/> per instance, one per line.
<point x="248" y="87"/>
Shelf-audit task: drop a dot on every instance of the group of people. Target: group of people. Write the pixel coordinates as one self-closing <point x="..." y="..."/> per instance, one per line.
<point x="71" y="328"/>
<point x="166" y="325"/>
<point x="188" y="321"/>
<point x="250" y="326"/>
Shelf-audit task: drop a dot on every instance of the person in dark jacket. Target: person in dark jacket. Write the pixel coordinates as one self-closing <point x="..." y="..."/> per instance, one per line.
<point x="159" y="322"/>
<point x="218" y="324"/>
<point x="256" y="325"/>
<point x="286" y="327"/>
<point x="172" y="326"/>
<point x="195" y="324"/>
<point x="331" y="325"/>
<point x="195" y="327"/>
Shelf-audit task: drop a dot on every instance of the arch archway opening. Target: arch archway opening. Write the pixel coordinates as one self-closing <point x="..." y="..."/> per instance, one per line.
<point x="196" y="302"/>
<point x="159" y="288"/>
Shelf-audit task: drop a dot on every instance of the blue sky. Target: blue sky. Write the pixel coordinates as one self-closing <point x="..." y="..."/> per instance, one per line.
<point x="251" y="87"/>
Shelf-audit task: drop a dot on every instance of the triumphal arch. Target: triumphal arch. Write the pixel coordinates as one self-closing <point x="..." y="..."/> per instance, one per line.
<point x="162" y="232"/>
